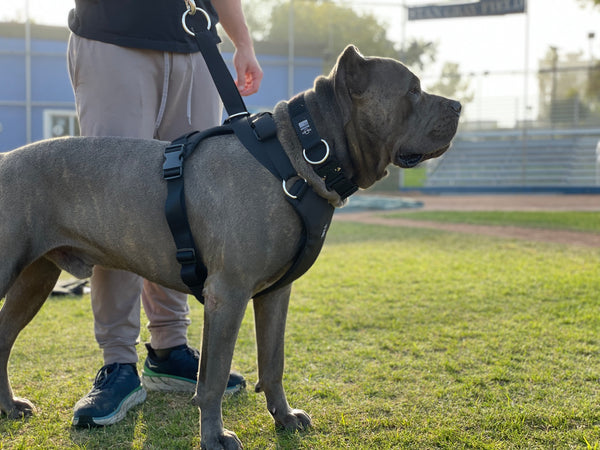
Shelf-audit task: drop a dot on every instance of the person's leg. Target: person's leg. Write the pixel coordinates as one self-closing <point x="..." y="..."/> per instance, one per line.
<point x="192" y="103"/>
<point x="117" y="94"/>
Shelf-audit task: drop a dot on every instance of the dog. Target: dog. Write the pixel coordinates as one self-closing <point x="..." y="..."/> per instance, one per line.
<point x="72" y="203"/>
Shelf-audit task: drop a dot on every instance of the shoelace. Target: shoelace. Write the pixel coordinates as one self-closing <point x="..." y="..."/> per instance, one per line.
<point x="103" y="376"/>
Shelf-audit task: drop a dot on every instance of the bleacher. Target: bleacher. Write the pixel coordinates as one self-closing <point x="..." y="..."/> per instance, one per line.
<point x="519" y="160"/>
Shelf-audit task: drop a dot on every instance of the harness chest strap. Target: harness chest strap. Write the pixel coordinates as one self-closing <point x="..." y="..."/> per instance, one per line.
<point x="193" y="271"/>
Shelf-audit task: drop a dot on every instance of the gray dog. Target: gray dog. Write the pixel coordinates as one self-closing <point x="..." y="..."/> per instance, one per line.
<point x="71" y="203"/>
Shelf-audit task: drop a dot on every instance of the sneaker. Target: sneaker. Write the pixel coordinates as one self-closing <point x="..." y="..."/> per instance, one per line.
<point x="116" y="390"/>
<point x="179" y="371"/>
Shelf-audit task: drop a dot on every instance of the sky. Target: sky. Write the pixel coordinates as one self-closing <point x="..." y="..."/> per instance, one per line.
<point x="498" y="43"/>
<point x="494" y="44"/>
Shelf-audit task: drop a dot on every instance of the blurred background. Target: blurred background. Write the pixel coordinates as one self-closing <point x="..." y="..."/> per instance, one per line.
<point x="527" y="73"/>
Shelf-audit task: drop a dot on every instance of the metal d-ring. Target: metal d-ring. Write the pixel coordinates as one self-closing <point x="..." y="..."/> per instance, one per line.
<point x="189" y="11"/>
<point x="239" y="114"/>
<point x="322" y="160"/>
<point x="283" y="183"/>
<point x="286" y="191"/>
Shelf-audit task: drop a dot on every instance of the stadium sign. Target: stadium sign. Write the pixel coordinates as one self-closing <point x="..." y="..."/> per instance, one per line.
<point x="472" y="9"/>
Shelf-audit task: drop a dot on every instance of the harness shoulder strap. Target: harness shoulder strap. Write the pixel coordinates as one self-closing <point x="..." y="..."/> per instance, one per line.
<point x="258" y="134"/>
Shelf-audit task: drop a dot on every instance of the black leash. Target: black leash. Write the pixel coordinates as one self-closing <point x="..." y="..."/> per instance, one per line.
<point x="230" y="95"/>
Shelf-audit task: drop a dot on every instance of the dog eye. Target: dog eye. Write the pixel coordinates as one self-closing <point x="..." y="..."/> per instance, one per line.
<point x="415" y="91"/>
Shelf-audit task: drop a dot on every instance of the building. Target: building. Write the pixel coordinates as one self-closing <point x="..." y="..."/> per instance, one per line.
<point x="36" y="98"/>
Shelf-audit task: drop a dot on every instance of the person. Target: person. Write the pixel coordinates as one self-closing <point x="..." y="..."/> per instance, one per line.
<point x="135" y="72"/>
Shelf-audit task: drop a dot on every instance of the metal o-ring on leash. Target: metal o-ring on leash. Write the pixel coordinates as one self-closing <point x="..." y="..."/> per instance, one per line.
<point x="192" y="10"/>
<point x="322" y="160"/>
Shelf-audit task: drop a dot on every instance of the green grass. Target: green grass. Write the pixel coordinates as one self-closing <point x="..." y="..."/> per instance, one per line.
<point x="413" y="178"/>
<point x="397" y="338"/>
<point x="568" y="220"/>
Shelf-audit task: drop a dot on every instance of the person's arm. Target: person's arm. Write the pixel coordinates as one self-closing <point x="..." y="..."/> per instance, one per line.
<point x="231" y="17"/>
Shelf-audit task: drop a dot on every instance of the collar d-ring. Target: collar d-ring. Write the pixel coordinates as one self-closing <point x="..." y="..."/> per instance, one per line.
<point x="322" y="160"/>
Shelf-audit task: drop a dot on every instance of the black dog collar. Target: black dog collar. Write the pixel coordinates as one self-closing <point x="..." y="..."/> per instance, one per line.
<point x="316" y="151"/>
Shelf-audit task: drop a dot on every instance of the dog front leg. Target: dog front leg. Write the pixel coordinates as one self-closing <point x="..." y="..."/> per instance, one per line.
<point x="23" y="300"/>
<point x="223" y="313"/>
<point x="270" y="312"/>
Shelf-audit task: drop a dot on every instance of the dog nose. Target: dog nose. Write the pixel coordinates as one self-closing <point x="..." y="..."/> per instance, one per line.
<point x="456" y="106"/>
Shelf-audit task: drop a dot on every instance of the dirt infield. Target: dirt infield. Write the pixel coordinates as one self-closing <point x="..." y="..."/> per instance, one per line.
<point x="495" y="203"/>
<point x="508" y="202"/>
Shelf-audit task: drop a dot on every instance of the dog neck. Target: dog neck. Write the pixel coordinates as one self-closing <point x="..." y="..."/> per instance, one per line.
<point x="321" y="105"/>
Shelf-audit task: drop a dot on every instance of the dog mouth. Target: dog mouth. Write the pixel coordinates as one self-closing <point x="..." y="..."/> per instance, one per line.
<point x="410" y="160"/>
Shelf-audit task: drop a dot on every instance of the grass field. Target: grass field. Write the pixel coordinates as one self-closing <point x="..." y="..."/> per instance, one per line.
<point x="588" y="221"/>
<point x="397" y="338"/>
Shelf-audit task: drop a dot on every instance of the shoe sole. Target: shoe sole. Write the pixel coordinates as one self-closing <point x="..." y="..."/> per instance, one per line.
<point x="157" y="382"/>
<point x="166" y="383"/>
<point x="135" y="398"/>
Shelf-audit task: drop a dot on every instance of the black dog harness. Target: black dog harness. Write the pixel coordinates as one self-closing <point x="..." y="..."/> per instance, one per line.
<point x="258" y="134"/>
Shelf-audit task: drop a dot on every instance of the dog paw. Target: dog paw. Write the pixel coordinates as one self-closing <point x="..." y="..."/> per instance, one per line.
<point x="226" y="441"/>
<point x="21" y="407"/>
<point x="296" y="420"/>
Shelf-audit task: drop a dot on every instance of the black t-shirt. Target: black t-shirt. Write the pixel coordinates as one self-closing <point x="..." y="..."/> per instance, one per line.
<point x="147" y="24"/>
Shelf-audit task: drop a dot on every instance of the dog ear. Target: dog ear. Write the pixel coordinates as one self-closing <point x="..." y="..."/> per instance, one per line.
<point x="350" y="79"/>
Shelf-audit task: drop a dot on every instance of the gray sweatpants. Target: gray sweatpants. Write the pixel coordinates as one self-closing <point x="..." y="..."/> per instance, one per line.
<point x="145" y="94"/>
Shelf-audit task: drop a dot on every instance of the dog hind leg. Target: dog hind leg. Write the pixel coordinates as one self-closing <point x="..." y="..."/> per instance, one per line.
<point x="23" y="300"/>
<point x="270" y="312"/>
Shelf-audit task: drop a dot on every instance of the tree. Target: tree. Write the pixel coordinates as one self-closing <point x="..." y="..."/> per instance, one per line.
<point x="569" y="88"/>
<point x="452" y="84"/>
<point x="324" y="28"/>
<point x="328" y="27"/>
<point x="587" y="2"/>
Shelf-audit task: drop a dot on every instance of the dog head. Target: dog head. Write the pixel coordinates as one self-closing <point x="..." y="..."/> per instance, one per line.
<point x="388" y="118"/>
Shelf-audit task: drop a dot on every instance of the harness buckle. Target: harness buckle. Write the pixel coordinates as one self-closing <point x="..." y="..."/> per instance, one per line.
<point x="186" y="256"/>
<point x="263" y="126"/>
<point x="173" y="165"/>
<point x="335" y="179"/>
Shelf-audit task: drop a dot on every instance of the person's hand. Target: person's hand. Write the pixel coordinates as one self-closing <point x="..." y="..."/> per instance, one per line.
<point x="249" y="73"/>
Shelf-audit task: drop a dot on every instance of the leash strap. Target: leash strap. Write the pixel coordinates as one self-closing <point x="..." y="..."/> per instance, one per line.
<point x="230" y="95"/>
<point x="316" y="150"/>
